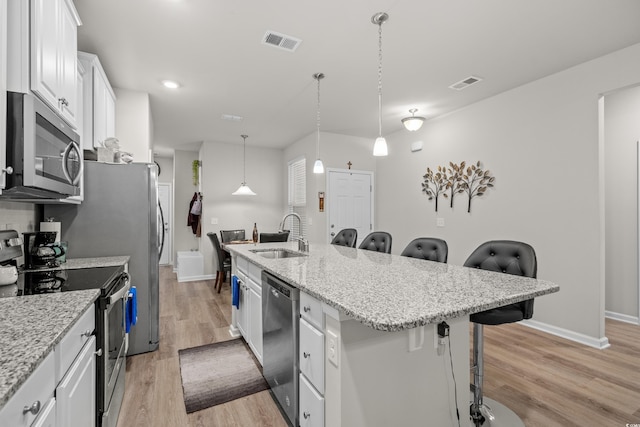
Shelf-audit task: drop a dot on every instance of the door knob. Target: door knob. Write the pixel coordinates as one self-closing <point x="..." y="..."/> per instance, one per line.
<point x="333" y="234"/>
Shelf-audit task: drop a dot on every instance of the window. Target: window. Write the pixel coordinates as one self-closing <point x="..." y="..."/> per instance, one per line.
<point x="297" y="197"/>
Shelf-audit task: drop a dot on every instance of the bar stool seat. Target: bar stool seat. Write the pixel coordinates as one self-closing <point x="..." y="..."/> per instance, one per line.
<point x="509" y="257"/>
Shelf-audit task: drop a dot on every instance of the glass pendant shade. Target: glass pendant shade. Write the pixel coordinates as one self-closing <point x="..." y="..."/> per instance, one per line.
<point x="380" y="147"/>
<point x="244" y="189"/>
<point x="413" y="123"/>
<point x="318" y="167"/>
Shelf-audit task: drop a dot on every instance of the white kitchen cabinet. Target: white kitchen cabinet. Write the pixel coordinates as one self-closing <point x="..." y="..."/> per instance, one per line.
<point x="54" y="43"/>
<point x="311" y="405"/>
<point x="76" y="393"/>
<point x="99" y="103"/>
<point x="248" y="316"/>
<point x="312" y="354"/>
<point x="62" y="390"/>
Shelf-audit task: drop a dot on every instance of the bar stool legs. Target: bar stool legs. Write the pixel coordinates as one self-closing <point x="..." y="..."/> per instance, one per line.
<point x="479" y="411"/>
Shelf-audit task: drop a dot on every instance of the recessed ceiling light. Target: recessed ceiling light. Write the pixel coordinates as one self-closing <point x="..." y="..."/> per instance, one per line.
<point x="170" y="84"/>
<point x="231" y="118"/>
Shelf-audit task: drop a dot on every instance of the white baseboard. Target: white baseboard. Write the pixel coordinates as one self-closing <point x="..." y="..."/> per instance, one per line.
<point x="622" y="317"/>
<point x="195" y="278"/>
<point x="599" y="343"/>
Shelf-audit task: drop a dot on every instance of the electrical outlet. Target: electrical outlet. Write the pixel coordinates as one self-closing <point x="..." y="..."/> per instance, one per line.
<point x="333" y="351"/>
<point x="440" y="222"/>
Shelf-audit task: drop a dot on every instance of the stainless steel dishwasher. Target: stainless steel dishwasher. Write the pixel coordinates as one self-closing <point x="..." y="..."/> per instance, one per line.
<point x="280" y="323"/>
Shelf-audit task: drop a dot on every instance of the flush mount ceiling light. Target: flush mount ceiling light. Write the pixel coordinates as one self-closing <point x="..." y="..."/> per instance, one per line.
<point x="318" y="167"/>
<point x="170" y="84"/>
<point x="244" y="189"/>
<point x="413" y="123"/>
<point x="380" y="146"/>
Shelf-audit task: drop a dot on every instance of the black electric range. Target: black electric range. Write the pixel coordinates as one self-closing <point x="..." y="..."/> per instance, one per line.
<point x="33" y="282"/>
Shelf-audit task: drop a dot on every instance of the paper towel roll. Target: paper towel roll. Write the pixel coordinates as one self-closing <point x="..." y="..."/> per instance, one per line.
<point x="51" y="226"/>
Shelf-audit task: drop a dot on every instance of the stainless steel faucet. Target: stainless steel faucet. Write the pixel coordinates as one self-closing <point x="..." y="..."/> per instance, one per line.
<point x="303" y="244"/>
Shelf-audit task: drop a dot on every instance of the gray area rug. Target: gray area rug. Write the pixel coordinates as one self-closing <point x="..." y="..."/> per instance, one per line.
<point x="217" y="373"/>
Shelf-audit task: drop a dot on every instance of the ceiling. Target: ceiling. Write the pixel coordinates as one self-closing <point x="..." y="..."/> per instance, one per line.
<point x="214" y="50"/>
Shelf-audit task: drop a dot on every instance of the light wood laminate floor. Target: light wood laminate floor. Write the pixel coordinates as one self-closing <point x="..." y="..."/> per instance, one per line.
<point x="547" y="381"/>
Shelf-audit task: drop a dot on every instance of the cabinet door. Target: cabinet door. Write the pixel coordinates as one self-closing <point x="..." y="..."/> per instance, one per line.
<point x="311" y="412"/>
<point x="255" y="320"/>
<point x="243" y="310"/>
<point x="45" y="57"/>
<point x="312" y="354"/>
<point x="68" y="74"/>
<point x="99" y="109"/>
<point x="3" y="90"/>
<point x="110" y="114"/>
<point x="47" y="416"/>
<point x="76" y="393"/>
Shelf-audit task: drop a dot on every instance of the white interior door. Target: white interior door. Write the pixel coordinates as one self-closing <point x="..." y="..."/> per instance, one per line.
<point x="350" y="202"/>
<point x="164" y="196"/>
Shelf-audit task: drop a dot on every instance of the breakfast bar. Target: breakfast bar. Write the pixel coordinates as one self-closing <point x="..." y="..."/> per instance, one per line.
<point x="383" y="362"/>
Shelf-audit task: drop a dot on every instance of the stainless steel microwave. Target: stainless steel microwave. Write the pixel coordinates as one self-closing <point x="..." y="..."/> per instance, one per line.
<point x="43" y="152"/>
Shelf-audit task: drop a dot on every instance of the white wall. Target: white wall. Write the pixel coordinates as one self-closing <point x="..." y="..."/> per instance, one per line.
<point x="222" y="175"/>
<point x="183" y="189"/>
<point x="133" y="123"/>
<point x="541" y="142"/>
<point x="335" y="151"/>
<point x="622" y="132"/>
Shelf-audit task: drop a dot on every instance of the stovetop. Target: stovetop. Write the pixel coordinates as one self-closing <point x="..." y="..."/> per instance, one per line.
<point x="34" y="282"/>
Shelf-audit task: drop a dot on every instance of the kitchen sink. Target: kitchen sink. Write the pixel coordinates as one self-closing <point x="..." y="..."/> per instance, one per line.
<point x="277" y="253"/>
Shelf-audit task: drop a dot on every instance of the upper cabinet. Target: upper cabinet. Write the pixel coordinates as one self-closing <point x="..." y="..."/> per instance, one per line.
<point x="3" y="90"/>
<point x="99" y="103"/>
<point x="54" y="43"/>
<point x="42" y="49"/>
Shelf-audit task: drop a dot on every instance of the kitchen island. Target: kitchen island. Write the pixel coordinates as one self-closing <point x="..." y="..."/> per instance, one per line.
<point x="381" y="310"/>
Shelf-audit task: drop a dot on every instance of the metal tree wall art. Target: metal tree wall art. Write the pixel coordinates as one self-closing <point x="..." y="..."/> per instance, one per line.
<point x="435" y="183"/>
<point x="475" y="182"/>
<point x="454" y="181"/>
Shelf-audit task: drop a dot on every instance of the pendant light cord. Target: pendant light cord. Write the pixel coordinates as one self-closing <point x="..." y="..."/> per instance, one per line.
<point x="244" y="159"/>
<point x="380" y="78"/>
<point x="319" y="76"/>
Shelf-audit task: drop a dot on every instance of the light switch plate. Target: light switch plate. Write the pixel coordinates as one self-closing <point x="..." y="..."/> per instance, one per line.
<point x="214" y="221"/>
<point x="440" y="222"/>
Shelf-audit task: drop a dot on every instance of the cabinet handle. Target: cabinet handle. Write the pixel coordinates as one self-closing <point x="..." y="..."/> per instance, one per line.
<point x="64" y="102"/>
<point x="307" y="308"/>
<point x="306" y="355"/>
<point x="98" y="353"/>
<point x="87" y="333"/>
<point x="34" y="408"/>
<point x="306" y="415"/>
<point x="8" y="170"/>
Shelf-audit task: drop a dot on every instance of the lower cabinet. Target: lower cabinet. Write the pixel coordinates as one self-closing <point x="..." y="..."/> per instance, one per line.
<point x="61" y="392"/>
<point x="249" y="312"/>
<point x="311" y="405"/>
<point x="76" y="392"/>
<point x="312" y="360"/>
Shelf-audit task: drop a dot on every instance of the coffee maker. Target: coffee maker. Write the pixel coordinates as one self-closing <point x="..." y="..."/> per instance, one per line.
<point x="40" y="250"/>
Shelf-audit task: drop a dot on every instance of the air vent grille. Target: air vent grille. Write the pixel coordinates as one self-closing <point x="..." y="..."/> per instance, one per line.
<point x="281" y="41"/>
<point x="465" y="83"/>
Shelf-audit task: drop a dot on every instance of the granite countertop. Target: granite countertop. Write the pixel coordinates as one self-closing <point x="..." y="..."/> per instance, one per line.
<point x="32" y="325"/>
<point x="30" y="328"/>
<point x="75" y="263"/>
<point x="391" y="292"/>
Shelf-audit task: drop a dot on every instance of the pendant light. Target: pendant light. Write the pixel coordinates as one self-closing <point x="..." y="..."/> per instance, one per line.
<point x="414" y="122"/>
<point x="244" y="189"/>
<point x="318" y="167"/>
<point x="380" y="146"/>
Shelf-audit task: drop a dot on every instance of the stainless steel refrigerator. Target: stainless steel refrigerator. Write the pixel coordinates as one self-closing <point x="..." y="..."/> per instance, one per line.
<point x="120" y="215"/>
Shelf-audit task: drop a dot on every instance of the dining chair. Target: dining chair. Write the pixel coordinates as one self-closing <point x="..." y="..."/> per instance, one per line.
<point x="231" y="235"/>
<point x="429" y="248"/>
<point x="281" y="236"/>
<point x="346" y="237"/>
<point x="509" y="257"/>
<point x="224" y="263"/>
<point x="378" y="241"/>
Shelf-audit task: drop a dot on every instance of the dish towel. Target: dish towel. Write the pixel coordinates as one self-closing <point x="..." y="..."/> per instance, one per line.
<point x="235" y="292"/>
<point x="131" y="312"/>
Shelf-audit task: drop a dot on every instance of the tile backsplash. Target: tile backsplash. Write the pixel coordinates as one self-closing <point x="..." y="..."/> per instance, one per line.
<point x="18" y="216"/>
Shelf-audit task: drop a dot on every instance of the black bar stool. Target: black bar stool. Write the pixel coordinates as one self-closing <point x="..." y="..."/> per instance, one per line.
<point x="428" y="248"/>
<point x="378" y="241"/>
<point x="346" y="237"/>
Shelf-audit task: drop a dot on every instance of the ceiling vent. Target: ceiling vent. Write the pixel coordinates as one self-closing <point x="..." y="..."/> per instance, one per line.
<point x="282" y="41"/>
<point x="465" y="83"/>
<point x="231" y="118"/>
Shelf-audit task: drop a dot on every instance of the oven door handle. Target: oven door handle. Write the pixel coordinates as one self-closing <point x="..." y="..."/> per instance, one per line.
<point x="122" y="292"/>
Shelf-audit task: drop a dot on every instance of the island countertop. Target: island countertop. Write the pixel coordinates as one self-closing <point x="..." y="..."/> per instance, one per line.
<point x="390" y="292"/>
